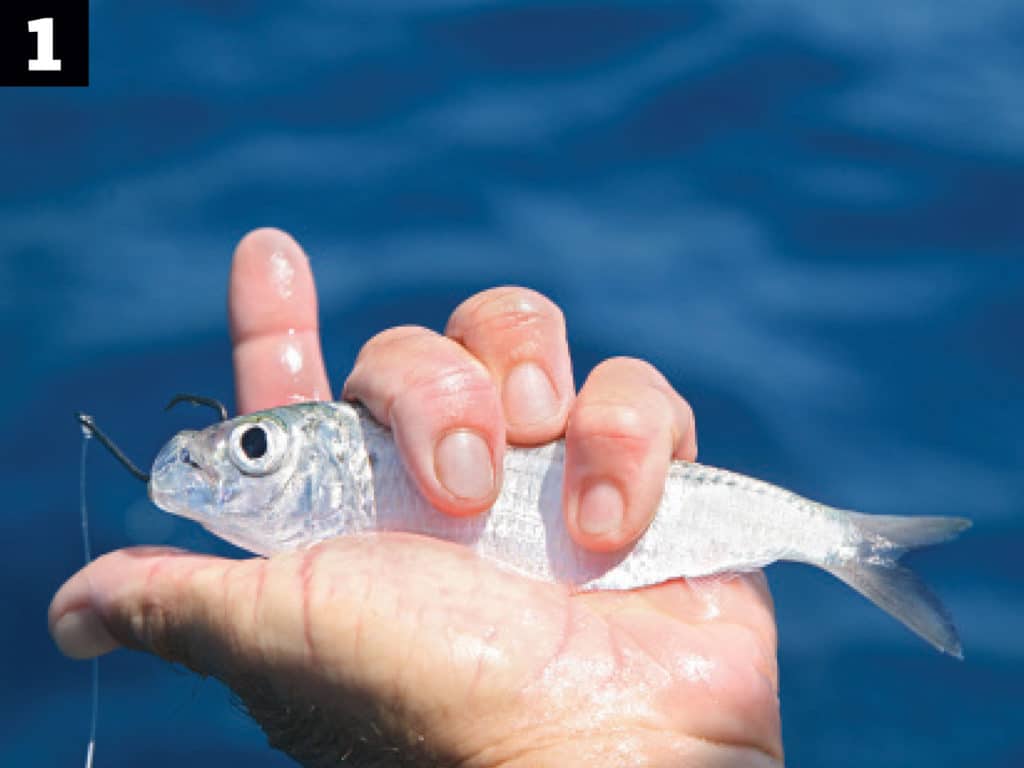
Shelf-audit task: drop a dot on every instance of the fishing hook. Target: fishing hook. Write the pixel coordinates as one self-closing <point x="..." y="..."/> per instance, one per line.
<point x="199" y="400"/>
<point x="89" y="423"/>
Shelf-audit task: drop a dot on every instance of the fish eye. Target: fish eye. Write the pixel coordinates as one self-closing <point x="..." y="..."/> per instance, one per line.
<point x="254" y="442"/>
<point x="256" y="447"/>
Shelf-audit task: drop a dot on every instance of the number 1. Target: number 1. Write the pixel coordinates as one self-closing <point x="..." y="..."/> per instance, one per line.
<point x="44" y="61"/>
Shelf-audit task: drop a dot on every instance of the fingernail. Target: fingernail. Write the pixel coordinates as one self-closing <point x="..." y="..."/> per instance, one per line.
<point x="528" y="395"/>
<point x="80" y="634"/>
<point x="463" y="465"/>
<point x="601" y="509"/>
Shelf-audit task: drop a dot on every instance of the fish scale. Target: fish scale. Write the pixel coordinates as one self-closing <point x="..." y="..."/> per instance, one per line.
<point x="329" y="469"/>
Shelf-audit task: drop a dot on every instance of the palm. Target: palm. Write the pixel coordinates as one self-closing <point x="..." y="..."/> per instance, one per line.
<point x="497" y="666"/>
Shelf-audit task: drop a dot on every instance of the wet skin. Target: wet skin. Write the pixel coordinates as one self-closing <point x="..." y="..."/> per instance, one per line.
<point x="413" y="650"/>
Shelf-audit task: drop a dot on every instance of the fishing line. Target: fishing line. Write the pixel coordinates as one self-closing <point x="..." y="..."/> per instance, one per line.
<point x="87" y="551"/>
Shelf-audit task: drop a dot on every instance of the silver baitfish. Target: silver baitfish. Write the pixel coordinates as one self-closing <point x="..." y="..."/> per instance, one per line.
<point x="290" y="477"/>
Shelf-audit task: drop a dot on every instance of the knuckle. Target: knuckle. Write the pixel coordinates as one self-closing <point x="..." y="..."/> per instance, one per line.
<point x="410" y="370"/>
<point x="391" y="339"/>
<point x="612" y="424"/>
<point x="242" y="593"/>
<point x="688" y="416"/>
<point x="449" y="389"/>
<point x="448" y="378"/>
<point x="154" y="623"/>
<point x="310" y="575"/>
<point x="646" y="388"/>
<point x="628" y="369"/>
<point x="148" y="621"/>
<point x="505" y="309"/>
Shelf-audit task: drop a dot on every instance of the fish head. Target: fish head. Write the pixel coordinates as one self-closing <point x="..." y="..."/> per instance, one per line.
<point x="229" y="476"/>
<point x="269" y="481"/>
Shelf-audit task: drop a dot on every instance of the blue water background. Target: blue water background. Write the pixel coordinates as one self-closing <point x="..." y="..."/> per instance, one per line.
<point x="810" y="215"/>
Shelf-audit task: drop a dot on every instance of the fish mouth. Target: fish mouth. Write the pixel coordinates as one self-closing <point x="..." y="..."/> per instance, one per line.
<point x="179" y="483"/>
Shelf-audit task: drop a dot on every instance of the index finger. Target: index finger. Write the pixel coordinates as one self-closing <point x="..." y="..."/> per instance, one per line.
<point x="272" y="312"/>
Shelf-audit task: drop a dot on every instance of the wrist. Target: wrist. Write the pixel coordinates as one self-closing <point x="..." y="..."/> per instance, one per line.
<point x="647" y="749"/>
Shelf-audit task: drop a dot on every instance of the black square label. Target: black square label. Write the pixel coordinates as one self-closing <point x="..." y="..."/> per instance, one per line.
<point x="44" y="42"/>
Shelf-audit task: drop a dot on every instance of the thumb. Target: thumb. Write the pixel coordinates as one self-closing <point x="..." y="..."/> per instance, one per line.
<point x="247" y="622"/>
<point x="385" y="637"/>
<point x="352" y="612"/>
<point x="192" y="609"/>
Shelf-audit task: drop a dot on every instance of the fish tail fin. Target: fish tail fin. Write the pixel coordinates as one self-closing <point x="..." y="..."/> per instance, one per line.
<point x="877" y="575"/>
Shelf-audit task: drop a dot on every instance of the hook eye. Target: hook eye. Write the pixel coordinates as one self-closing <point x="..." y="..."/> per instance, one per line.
<point x="89" y="423"/>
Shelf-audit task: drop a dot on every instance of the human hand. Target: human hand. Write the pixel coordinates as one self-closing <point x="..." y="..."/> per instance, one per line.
<point x="411" y="651"/>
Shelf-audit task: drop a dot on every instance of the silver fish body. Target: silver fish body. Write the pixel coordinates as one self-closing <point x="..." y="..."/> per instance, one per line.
<point x="290" y="477"/>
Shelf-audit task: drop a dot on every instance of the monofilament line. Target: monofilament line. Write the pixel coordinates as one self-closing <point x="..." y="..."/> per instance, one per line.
<point x="87" y="551"/>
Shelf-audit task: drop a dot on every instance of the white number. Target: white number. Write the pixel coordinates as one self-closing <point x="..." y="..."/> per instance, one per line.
<point x="44" y="61"/>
